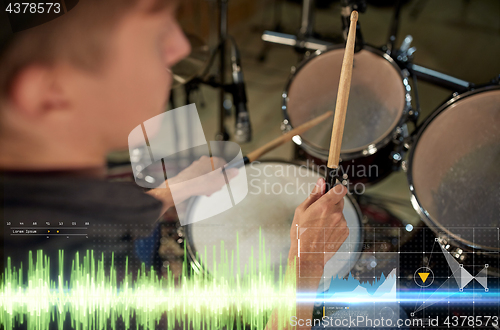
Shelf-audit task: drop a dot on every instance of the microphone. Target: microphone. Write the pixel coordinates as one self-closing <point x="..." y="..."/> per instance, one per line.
<point x="243" y="132"/>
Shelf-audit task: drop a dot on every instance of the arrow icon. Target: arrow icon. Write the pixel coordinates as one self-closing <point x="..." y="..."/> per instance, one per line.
<point x="423" y="276"/>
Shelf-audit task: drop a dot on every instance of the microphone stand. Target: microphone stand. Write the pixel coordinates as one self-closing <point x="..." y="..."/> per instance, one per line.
<point x="218" y="80"/>
<point x="222" y="134"/>
<point x="394" y="29"/>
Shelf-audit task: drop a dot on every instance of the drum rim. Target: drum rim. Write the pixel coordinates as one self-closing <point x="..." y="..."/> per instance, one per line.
<point x="191" y="251"/>
<point x="435" y="225"/>
<point x="365" y="150"/>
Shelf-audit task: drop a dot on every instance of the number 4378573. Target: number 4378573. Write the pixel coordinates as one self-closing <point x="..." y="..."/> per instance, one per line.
<point x="471" y="321"/>
<point x="33" y="8"/>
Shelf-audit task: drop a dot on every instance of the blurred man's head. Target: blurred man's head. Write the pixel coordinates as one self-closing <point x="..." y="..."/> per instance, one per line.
<point x="85" y="80"/>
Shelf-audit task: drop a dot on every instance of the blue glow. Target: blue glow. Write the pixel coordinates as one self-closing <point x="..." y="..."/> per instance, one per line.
<point x="441" y="297"/>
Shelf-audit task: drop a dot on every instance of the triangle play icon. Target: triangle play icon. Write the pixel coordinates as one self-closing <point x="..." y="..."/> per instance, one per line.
<point x="423" y="276"/>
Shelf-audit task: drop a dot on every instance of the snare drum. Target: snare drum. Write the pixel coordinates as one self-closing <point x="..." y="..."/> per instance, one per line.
<point x="275" y="191"/>
<point x="379" y="104"/>
<point x="453" y="173"/>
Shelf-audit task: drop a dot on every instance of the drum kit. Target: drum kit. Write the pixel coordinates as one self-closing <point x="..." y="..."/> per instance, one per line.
<point x="451" y="159"/>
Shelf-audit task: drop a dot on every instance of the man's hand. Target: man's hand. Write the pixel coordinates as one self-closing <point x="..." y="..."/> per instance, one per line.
<point x="323" y="225"/>
<point x="207" y="172"/>
<point x="322" y="228"/>
<point x="321" y="215"/>
<point x="202" y="177"/>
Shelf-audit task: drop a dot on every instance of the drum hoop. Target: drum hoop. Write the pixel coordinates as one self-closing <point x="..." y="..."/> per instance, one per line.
<point x="435" y="225"/>
<point x="371" y="148"/>
<point x="191" y="251"/>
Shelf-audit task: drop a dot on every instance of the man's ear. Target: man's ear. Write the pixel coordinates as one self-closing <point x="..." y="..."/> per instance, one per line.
<point x="35" y="91"/>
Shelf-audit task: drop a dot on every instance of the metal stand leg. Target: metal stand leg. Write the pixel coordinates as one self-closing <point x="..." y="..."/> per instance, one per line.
<point x="222" y="134"/>
<point x="393" y="30"/>
<point x="307" y="19"/>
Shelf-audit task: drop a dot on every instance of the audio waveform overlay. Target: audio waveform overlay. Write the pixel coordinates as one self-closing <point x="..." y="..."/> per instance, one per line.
<point x="352" y="290"/>
<point x="93" y="297"/>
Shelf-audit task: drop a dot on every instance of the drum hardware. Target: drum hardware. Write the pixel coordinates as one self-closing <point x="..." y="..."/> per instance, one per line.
<point x="414" y="113"/>
<point x="305" y="40"/>
<point x="410" y="114"/>
<point x="400" y="139"/>
<point x="307" y="20"/>
<point x="440" y="79"/>
<point x="405" y="53"/>
<point x="292" y="40"/>
<point x="456" y="252"/>
<point x="404" y="58"/>
<point x="171" y="247"/>
<point x="393" y="30"/>
<point x="276" y="23"/>
<point x="285" y="126"/>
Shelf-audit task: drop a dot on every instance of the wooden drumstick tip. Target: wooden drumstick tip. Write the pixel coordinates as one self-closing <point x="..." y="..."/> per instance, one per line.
<point x="354" y="16"/>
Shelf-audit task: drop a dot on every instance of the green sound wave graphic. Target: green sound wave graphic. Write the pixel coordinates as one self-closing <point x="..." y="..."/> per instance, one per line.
<point x="94" y="297"/>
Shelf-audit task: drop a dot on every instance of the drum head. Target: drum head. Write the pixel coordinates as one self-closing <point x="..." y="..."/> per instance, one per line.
<point x="275" y="190"/>
<point x="376" y="100"/>
<point x="454" y="169"/>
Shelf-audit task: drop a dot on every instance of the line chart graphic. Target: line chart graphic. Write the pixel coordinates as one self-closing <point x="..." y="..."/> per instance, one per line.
<point x="454" y="284"/>
<point x="461" y="275"/>
<point x="352" y="290"/>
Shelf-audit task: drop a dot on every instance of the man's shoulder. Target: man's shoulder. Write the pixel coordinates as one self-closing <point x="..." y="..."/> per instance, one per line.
<point x="53" y="196"/>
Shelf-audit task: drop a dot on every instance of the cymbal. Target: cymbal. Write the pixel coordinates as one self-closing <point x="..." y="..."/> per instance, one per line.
<point x="193" y="65"/>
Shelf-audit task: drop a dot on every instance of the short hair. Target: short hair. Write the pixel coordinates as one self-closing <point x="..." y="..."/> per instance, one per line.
<point x="78" y="37"/>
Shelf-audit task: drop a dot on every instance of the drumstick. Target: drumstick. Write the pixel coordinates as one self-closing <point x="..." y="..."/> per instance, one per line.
<point x="256" y="154"/>
<point x="341" y="106"/>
